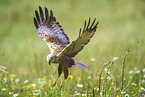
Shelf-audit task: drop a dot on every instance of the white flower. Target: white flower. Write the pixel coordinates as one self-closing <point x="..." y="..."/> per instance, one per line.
<point x="108" y="77"/>
<point x="97" y="89"/>
<point x="143" y="81"/>
<point x="79" y="85"/>
<point x="45" y="93"/>
<point x="14" y="95"/>
<point x="93" y="59"/>
<point x="144" y="75"/>
<point x="126" y="95"/>
<point x="105" y="69"/>
<point x="77" y="93"/>
<point x="25" y="81"/>
<point x="89" y="77"/>
<point x="5" y="79"/>
<point x="97" y="77"/>
<point x="130" y="72"/>
<point x="143" y="70"/>
<point x="17" y="80"/>
<point x="123" y="92"/>
<point x="101" y="94"/>
<point x="33" y="85"/>
<point x="134" y="84"/>
<point x="108" y="72"/>
<point x="84" y="94"/>
<point x="142" y="89"/>
<point x="10" y="92"/>
<point x="35" y="93"/>
<point x="137" y="71"/>
<point x="3" y="89"/>
<point x="115" y="58"/>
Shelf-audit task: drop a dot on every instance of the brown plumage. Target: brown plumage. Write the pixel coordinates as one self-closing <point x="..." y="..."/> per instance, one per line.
<point x="62" y="50"/>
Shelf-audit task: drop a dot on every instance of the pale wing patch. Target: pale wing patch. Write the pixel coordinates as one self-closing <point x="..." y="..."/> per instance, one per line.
<point x="54" y="47"/>
<point x="48" y="28"/>
<point x="56" y="34"/>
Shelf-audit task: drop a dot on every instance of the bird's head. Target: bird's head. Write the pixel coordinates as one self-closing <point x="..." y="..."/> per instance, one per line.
<point x="52" y="59"/>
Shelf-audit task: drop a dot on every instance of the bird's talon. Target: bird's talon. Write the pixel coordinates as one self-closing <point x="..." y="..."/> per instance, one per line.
<point x="60" y="87"/>
<point x="53" y="84"/>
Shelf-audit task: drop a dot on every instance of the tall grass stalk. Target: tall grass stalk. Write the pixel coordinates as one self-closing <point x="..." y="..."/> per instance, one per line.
<point x="123" y="67"/>
<point x="101" y="75"/>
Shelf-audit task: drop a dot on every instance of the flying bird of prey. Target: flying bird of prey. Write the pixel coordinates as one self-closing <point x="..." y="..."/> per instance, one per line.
<point x="62" y="50"/>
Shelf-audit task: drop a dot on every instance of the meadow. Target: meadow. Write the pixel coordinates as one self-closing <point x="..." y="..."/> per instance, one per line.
<point x="116" y="53"/>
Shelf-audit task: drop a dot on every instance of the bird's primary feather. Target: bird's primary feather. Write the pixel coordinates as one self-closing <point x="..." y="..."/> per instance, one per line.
<point x="77" y="45"/>
<point x="50" y="30"/>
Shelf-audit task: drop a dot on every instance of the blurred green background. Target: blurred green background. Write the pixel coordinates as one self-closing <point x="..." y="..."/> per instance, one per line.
<point x="121" y="27"/>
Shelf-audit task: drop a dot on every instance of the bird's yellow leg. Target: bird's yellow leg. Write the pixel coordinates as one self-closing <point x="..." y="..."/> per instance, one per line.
<point x="54" y="82"/>
<point x="61" y="84"/>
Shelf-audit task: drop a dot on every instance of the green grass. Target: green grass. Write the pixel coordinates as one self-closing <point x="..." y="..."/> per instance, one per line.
<point x="121" y="28"/>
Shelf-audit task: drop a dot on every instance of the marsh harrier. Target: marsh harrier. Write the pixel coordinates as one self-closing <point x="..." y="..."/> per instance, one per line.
<point x="62" y="50"/>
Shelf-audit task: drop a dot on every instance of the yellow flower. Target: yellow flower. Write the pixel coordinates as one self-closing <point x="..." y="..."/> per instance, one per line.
<point x="30" y="84"/>
<point x="123" y="78"/>
<point x="135" y="68"/>
<point x="70" y="76"/>
<point x="11" y="75"/>
<point x="78" y="79"/>
<point x="34" y="88"/>
<point x="6" y="72"/>
<point x="43" y="79"/>
<point x="41" y="86"/>
<point x="35" y="83"/>
<point x="114" y="87"/>
<point x="30" y="94"/>
<point x="12" y="79"/>
<point x="76" y="91"/>
<point x="50" y="81"/>
<point x="117" y="96"/>
<point x="51" y="87"/>
<point x="23" y="86"/>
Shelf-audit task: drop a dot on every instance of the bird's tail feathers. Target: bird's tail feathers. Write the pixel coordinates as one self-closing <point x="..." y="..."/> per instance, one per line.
<point x="81" y="65"/>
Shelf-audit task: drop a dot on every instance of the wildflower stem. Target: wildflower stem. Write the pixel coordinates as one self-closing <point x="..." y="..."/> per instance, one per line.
<point x="93" y="93"/>
<point x="101" y="75"/>
<point x="88" y="89"/>
<point x="123" y="67"/>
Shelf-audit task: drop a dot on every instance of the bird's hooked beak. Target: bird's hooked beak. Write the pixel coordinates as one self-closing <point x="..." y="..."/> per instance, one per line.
<point x="49" y="62"/>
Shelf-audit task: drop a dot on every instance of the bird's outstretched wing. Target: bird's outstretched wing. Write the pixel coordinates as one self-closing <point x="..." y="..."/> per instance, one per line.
<point x="49" y="30"/>
<point x="84" y="37"/>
